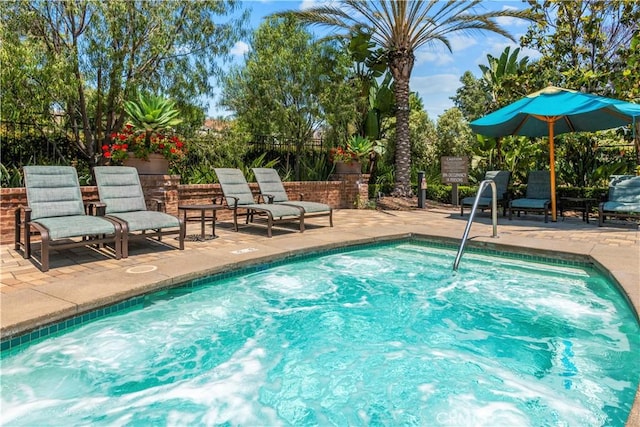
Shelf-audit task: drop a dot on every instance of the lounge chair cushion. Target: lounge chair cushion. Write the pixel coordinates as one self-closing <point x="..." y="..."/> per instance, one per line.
<point x="483" y="201"/>
<point x="270" y="184"/>
<point x="145" y="220"/>
<point x="530" y="203"/>
<point x="309" y="207"/>
<point x="501" y="179"/>
<point x="120" y="189"/>
<point x="76" y="226"/>
<point x="621" y="207"/>
<point x="235" y="184"/>
<point x="53" y="191"/>
<point x="625" y="189"/>
<point x="539" y="185"/>
<point x="277" y="211"/>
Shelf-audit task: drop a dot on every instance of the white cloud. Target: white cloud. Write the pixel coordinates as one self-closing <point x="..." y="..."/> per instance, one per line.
<point x="240" y="48"/>
<point x="507" y="21"/>
<point x="308" y="4"/>
<point x="443" y="58"/>
<point x="435" y="91"/>
<point x="495" y="47"/>
<point x="460" y="42"/>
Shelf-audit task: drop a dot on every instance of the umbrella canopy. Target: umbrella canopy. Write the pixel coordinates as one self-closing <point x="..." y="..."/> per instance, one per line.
<point x="552" y="111"/>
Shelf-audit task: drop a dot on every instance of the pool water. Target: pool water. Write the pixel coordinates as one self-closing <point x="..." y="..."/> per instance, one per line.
<point x="381" y="335"/>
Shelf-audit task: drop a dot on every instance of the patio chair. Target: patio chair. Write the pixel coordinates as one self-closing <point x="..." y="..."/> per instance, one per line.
<point x="120" y="190"/>
<point x="238" y="196"/>
<point x="538" y="197"/>
<point x="623" y="199"/>
<point x="271" y="187"/>
<point x="501" y="178"/>
<point x="56" y="211"/>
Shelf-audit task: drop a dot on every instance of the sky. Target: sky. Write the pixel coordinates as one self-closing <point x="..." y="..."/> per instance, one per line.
<point x="436" y="73"/>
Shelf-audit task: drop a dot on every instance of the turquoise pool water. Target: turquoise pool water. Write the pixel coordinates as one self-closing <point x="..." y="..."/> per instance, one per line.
<point x="384" y="335"/>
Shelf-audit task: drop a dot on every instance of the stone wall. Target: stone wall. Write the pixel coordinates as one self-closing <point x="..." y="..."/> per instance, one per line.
<point x="346" y="191"/>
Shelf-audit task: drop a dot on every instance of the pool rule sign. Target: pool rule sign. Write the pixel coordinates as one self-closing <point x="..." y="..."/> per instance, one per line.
<point x="455" y="170"/>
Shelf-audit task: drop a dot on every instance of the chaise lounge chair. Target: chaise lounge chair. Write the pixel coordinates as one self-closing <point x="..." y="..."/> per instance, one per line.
<point x="538" y="197"/>
<point x="120" y="190"/>
<point x="271" y="187"/>
<point x="56" y="211"/>
<point x="623" y="199"/>
<point x="501" y="178"/>
<point x="238" y="196"/>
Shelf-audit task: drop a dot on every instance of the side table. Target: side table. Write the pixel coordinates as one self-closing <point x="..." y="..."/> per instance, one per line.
<point x="581" y="204"/>
<point x="203" y="217"/>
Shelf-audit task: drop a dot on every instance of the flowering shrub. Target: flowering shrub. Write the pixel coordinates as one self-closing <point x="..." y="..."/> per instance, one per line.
<point x="358" y="149"/>
<point x="142" y="143"/>
<point x="343" y="155"/>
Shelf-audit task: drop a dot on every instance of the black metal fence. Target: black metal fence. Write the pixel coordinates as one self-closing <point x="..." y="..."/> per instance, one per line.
<point x="29" y="143"/>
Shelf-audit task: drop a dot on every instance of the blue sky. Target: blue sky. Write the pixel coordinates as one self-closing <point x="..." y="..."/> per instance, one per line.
<point x="436" y="73"/>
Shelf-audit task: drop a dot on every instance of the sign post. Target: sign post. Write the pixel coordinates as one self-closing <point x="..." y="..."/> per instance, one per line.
<point x="455" y="170"/>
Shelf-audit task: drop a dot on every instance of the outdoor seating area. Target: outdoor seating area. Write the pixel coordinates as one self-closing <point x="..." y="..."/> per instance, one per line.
<point x="537" y="198"/>
<point x="56" y="212"/>
<point x="502" y="180"/>
<point x="272" y="189"/>
<point x="121" y="193"/>
<point x="308" y="184"/>
<point x="623" y="200"/>
<point x="239" y="198"/>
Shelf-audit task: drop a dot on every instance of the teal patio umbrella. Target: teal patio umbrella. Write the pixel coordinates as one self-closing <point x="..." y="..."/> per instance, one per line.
<point x="553" y="111"/>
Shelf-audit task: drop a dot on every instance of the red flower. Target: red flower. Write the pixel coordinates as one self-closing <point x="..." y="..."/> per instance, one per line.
<point x="179" y="144"/>
<point x="174" y="151"/>
<point x="105" y="148"/>
<point x="107" y="154"/>
<point x="161" y="146"/>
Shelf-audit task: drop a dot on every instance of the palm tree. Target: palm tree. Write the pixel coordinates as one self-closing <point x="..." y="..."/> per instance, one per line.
<point x="400" y="27"/>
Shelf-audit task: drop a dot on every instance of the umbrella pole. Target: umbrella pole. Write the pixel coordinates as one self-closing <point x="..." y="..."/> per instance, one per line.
<point x="552" y="162"/>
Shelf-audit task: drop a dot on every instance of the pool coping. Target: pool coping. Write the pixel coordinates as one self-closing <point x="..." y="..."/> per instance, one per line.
<point x="8" y="332"/>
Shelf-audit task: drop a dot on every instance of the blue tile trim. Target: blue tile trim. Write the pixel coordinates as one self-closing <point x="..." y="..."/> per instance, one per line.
<point x="15" y="343"/>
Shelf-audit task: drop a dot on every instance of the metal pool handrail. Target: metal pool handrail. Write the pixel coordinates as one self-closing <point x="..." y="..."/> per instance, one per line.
<point x="494" y="217"/>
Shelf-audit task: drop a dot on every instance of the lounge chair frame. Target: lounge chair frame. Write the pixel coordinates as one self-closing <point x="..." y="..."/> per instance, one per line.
<point x="538" y="194"/>
<point x="237" y="196"/>
<point x="26" y="226"/>
<point x="272" y="189"/>
<point x="502" y="179"/>
<point x="121" y="205"/>
<point x="623" y="196"/>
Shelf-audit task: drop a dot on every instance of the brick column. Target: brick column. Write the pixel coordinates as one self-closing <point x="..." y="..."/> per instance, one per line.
<point x="355" y="189"/>
<point x="162" y="187"/>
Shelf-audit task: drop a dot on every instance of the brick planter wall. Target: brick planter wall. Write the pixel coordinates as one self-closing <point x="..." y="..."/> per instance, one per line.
<point x="342" y="192"/>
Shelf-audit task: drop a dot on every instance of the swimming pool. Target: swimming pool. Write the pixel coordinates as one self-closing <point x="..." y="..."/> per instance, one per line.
<point x="374" y="336"/>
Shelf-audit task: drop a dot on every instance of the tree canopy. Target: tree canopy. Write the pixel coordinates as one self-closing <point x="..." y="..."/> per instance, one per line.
<point x="400" y="28"/>
<point x="290" y="84"/>
<point x="80" y="59"/>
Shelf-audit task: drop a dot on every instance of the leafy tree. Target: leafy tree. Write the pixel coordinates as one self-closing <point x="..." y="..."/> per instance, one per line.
<point x="472" y="99"/>
<point x="89" y="56"/>
<point x="588" y="45"/>
<point x="583" y="43"/>
<point x="455" y="137"/>
<point x="290" y="85"/>
<point x="400" y="28"/>
<point x="376" y="100"/>
<point x="498" y="77"/>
